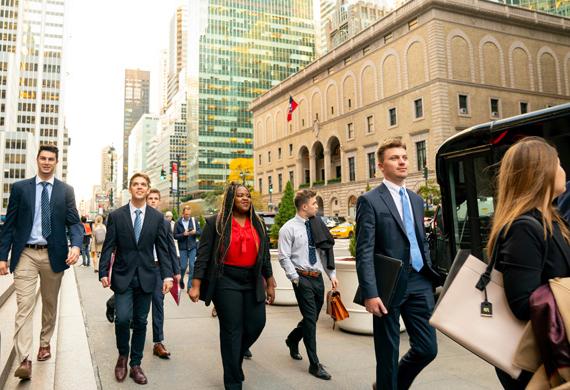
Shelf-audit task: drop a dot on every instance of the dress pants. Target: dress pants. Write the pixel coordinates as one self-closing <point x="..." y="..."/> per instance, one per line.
<point x="133" y="304"/>
<point x="416" y="308"/>
<point x="241" y="318"/>
<point x="34" y="262"/>
<point x="310" y="294"/>
<point x="187" y="259"/>
<point x="158" y="310"/>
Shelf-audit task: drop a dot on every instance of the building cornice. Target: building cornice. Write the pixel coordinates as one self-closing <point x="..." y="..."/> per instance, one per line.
<point x="483" y="9"/>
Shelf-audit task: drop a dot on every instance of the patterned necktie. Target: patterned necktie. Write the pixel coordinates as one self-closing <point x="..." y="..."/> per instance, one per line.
<point x="415" y="254"/>
<point x="138" y="224"/>
<point x="46" y="211"/>
<point x="312" y="250"/>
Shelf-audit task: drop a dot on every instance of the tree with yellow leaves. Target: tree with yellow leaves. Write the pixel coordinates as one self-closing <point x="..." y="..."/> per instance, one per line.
<point x="241" y="170"/>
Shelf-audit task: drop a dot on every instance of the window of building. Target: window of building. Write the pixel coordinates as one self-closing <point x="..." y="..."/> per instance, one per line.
<point x="307" y="176"/>
<point x="351" y="169"/>
<point x="270" y="184"/>
<point x="523" y="107"/>
<point x="291" y="178"/>
<point x="302" y="123"/>
<point x="370" y="124"/>
<point x="392" y="116"/>
<point x="260" y="185"/>
<point x="349" y="103"/>
<point x="279" y="153"/>
<point x="316" y="115"/>
<point x="259" y="159"/>
<point x="332" y="110"/>
<point x="290" y="149"/>
<point x="463" y="105"/>
<point x="371" y="165"/>
<point x="421" y="154"/>
<point x="269" y="156"/>
<point x="494" y="106"/>
<point x="419" y="108"/>
<point x="350" y="131"/>
<point x="280" y="182"/>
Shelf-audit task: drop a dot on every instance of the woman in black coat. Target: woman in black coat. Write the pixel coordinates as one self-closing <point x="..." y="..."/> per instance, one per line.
<point x="530" y="251"/>
<point x="233" y="269"/>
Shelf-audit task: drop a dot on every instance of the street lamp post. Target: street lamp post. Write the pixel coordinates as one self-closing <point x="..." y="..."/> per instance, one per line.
<point x="110" y="153"/>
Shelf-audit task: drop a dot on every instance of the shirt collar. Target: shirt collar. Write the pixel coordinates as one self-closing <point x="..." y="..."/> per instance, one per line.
<point x="300" y="219"/>
<point x="51" y="180"/>
<point x="393" y="186"/>
<point x="133" y="208"/>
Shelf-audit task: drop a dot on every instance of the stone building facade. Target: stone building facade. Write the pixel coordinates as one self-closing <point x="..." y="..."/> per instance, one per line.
<point x="426" y="71"/>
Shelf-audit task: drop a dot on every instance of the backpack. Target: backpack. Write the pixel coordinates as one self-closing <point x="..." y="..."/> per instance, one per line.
<point x="99" y="233"/>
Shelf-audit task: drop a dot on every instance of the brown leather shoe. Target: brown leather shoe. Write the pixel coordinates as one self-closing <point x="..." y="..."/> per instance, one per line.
<point x="374" y="386"/>
<point x="44" y="354"/>
<point x="121" y="368"/>
<point x="138" y="375"/>
<point x="24" y="371"/>
<point x="160" y="351"/>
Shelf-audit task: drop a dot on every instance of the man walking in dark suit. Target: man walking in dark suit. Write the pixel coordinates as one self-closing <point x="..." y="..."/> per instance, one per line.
<point x="389" y="221"/>
<point x="186" y="231"/>
<point x="40" y="212"/>
<point x="134" y="232"/>
<point x="153" y="200"/>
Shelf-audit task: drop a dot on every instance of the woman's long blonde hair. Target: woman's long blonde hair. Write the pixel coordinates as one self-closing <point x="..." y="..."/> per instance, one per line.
<point x="525" y="182"/>
<point x="98" y="221"/>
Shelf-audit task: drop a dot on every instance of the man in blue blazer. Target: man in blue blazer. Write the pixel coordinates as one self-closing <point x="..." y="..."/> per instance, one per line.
<point x="41" y="211"/>
<point x="186" y="230"/>
<point x="389" y="221"/>
<point x="135" y="233"/>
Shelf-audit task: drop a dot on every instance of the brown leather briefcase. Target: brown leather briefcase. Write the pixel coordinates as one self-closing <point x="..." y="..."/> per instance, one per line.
<point x="335" y="307"/>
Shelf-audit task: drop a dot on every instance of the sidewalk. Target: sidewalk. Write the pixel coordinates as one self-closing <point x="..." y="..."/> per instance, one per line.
<point x="192" y="337"/>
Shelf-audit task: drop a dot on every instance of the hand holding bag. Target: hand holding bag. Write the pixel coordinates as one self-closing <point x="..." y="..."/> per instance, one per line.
<point x="335" y="307"/>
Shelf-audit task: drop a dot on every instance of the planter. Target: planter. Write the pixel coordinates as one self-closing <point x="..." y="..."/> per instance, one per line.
<point x="360" y="321"/>
<point x="284" y="294"/>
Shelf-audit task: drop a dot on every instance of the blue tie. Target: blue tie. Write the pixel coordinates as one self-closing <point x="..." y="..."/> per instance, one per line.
<point x="415" y="254"/>
<point x="46" y="211"/>
<point x="138" y="224"/>
<point x="312" y="250"/>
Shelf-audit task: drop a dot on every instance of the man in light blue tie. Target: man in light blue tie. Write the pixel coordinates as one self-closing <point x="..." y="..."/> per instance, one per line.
<point x="389" y="221"/>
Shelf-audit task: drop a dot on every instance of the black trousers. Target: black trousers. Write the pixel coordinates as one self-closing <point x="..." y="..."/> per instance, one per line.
<point x="158" y="310"/>
<point x="416" y="308"/>
<point x="310" y="294"/>
<point x="241" y="318"/>
<point x="132" y="305"/>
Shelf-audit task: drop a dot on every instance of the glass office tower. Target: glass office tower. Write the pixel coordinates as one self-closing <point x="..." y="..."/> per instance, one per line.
<point x="245" y="48"/>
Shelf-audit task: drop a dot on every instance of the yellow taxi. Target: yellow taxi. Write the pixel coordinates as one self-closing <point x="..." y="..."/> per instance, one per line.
<point x="344" y="230"/>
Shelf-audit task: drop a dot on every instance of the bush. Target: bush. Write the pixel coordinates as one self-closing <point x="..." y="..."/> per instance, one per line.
<point x="352" y="244"/>
<point x="286" y="211"/>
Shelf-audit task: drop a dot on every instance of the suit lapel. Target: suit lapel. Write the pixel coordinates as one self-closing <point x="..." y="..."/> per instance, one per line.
<point x="129" y="221"/>
<point x="32" y="199"/>
<point x="146" y="223"/>
<point x="387" y="198"/>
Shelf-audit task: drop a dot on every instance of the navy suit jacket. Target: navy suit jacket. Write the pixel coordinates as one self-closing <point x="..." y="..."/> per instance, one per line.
<point x="186" y="243"/>
<point x="380" y="230"/>
<point x="20" y="219"/>
<point x="130" y="256"/>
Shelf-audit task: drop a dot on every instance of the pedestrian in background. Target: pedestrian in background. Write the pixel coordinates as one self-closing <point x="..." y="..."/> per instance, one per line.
<point x="99" y="232"/>
<point x="186" y="231"/>
<point x="530" y="177"/>
<point x="304" y="266"/>
<point x="233" y="269"/>
<point x="41" y="211"/>
<point x="86" y="242"/>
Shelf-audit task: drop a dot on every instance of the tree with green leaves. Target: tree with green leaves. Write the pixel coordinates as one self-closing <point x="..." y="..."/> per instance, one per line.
<point x="286" y="210"/>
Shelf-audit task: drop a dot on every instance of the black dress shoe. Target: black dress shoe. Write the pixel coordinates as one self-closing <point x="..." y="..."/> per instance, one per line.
<point x="181" y="284"/>
<point x="110" y="313"/>
<point x="247" y="354"/>
<point x="319" y="371"/>
<point x="293" y="350"/>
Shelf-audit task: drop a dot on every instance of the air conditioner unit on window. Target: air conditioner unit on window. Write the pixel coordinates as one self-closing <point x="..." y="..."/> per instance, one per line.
<point x="463" y="111"/>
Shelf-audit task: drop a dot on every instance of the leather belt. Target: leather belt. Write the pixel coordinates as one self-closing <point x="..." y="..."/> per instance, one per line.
<point x="36" y="246"/>
<point x="312" y="274"/>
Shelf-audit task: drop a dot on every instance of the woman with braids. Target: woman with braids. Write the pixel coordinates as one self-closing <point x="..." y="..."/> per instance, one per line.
<point x="233" y="270"/>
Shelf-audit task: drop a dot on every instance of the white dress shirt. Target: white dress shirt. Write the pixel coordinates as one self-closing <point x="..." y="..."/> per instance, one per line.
<point x="36" y="236"/>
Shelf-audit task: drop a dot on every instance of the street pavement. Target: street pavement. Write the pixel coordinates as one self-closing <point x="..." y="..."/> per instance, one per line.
<point x="192" y="337"/>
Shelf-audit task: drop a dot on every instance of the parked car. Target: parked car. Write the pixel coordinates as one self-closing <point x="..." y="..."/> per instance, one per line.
<point x="332" y="221"/>
<point x="268" y="218"/>
<point x="343" y="230"/>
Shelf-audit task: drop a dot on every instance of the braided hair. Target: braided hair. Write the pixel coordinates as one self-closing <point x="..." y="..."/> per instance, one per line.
<point x="224" y="221"/>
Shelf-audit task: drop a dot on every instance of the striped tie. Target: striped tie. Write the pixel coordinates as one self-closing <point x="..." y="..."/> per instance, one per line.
<point x="138" y="224"/>
<point x="46" y="211"/>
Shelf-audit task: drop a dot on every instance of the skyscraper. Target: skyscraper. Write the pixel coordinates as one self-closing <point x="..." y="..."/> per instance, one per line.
<point x="136" y="103"/>
<point x="245" y="48"/>
<point x="31" y="106"/>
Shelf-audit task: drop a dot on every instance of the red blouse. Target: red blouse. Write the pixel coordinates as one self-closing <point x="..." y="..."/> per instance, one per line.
<point x="244" y="245"/>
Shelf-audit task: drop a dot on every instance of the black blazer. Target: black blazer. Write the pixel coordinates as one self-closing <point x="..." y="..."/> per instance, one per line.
<point x="20" y="220"/>
<point x="207" y="267"/>
<point x="524" y="265"/>
<point x="186" y="243"/>
<point x="131" y="257"/>
<point x="172" y="249"/>
<point x="379" y="229"/>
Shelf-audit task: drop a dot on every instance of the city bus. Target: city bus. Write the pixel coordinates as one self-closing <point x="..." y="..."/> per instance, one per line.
<point x="466" y="167"/>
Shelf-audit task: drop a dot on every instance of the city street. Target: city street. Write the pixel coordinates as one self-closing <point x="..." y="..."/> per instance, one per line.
<point x="192" y="337"/>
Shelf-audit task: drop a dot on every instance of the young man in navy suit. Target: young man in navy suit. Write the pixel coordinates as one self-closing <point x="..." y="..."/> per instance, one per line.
<point x="40" y="212"/>
<point x="135" y="233"/>
<point x="389" y="221"/>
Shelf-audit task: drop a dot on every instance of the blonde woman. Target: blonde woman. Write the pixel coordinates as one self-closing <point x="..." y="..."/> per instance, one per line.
<point x="99" y="233"/>
<point x="530" y="253"/>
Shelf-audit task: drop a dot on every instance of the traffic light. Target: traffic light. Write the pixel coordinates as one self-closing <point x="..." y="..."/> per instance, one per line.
<point x="162" y="173"/>
<point x="270" y="188"/>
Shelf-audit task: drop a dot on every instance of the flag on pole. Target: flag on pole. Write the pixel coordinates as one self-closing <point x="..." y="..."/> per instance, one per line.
<point x="292" y="106"/>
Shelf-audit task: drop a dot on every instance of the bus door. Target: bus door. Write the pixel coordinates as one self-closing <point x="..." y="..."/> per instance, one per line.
<point x="471" y="187"/>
